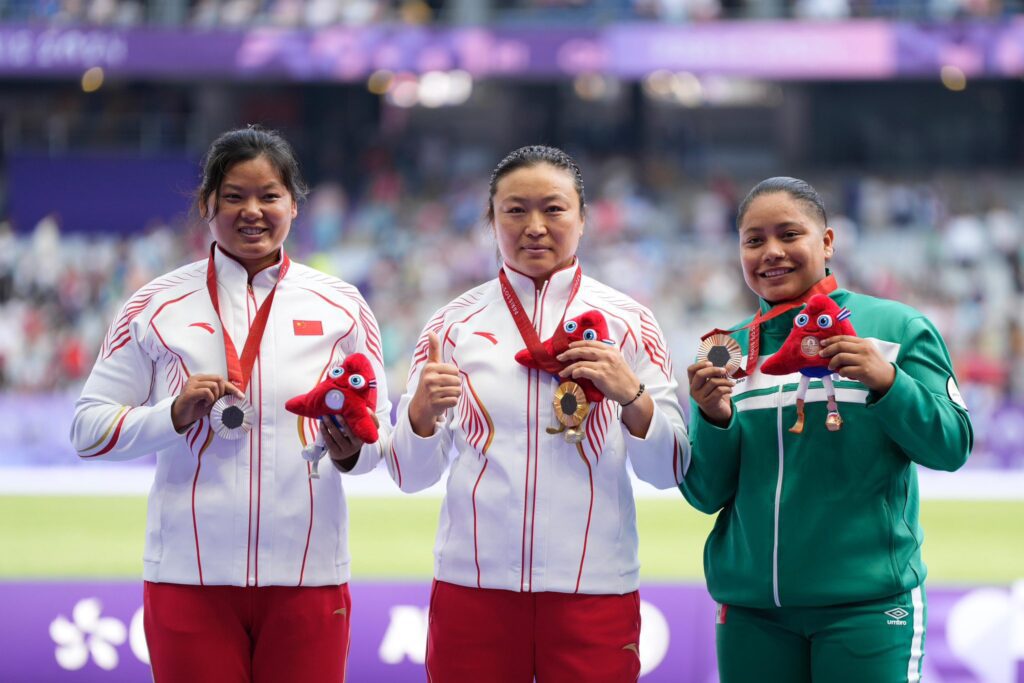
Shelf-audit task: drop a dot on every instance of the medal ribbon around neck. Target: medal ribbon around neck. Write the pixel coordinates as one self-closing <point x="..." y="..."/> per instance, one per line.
<point x="567" y="389"/>
<point x="526" y="329"/>
<point x="826" y="285"/>
<point x="240" y="370"/>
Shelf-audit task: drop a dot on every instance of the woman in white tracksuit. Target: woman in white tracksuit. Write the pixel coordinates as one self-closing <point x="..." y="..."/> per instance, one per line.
<point x="246" y="561"/>
<point x="536" y="556"/>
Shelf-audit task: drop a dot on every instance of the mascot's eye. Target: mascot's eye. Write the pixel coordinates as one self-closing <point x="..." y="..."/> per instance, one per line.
<point x="801" y="320"/>
<point x="357" y="381"/>
<point x="590" y="335"/>
<point x="824" y="321"/>
<point x="571" y="326"/>
<point x="337" y="371"/>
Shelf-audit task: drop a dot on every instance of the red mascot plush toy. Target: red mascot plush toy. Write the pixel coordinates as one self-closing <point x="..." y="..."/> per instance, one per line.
<point x="821" y="319"/>
<point x="573" y="397"/>
<point x="348" y="390"/>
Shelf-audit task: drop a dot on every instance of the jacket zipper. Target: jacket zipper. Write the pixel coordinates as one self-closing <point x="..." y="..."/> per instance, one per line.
<point x="778" y="499"/>
<point x="254" y="485"/>
<point x="526" y="579"/>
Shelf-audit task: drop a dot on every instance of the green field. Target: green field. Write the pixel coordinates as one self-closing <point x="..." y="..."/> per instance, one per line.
<point x="62" y="537"/>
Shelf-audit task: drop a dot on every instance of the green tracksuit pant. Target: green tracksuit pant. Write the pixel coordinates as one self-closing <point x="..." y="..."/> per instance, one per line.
<point x="876" y="641"/>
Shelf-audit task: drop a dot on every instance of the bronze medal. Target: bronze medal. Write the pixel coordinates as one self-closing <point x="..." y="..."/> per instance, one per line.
<point x="723" y="351"/>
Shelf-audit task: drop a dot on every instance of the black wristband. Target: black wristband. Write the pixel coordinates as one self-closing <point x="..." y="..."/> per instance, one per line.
<point x="639" y="393"/>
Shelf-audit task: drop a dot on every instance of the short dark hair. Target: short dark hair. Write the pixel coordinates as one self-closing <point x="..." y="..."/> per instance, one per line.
<point x="245" y="144"/>
<point x="533" y="155"/>
<point x="799" y="190"/>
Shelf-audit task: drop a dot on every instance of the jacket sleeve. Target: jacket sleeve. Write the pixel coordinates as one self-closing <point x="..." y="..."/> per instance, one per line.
<point x="112" y="420"/>
<point x="417" y="462"/>
<point x="922" y="411"/>
<point x="368" y="343"/>
<point x="711" y="479"/>
<point x="659" y="458"/>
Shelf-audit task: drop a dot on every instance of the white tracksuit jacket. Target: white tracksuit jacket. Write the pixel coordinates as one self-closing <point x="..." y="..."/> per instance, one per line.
<point x="525" y="510"/>
<point x="222" y="512"/>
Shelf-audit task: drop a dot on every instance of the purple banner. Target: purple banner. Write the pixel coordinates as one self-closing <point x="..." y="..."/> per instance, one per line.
<point x="332" y="54"/>
<point x="147" y="190"/>
<point x="783" y="50"/>
<point x="93" y="632"/>
<point x="868" y="49"/>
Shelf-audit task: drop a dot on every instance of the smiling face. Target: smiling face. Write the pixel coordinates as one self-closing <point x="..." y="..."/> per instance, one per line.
<point x="783" y="247"/>
<point x="253" y="213"/>
<point x="537" y="220"/>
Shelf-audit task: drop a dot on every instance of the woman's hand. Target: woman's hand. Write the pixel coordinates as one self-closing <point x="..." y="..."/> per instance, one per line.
<point x="342" y="445"/>
<point x="197" y="398"/>
<point x="711" y="388"/>
<point x="858" y="359"/>
<point x="439" y="389"/>
<point x="604" y="365"/>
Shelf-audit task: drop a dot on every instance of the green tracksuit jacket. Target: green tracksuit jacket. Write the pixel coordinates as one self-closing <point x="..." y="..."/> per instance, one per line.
<point x="827" y="518"/>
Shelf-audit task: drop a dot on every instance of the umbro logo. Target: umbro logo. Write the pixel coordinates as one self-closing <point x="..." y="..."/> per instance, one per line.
<point x="897" y="616"/>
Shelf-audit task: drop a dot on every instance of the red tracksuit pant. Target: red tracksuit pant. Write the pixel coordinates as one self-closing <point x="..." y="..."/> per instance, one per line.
<point x="498" y="636"/>
<point x="230" y="634"/>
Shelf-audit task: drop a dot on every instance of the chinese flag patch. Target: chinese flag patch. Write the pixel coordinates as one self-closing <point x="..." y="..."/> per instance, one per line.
<point x="307" y="328"/>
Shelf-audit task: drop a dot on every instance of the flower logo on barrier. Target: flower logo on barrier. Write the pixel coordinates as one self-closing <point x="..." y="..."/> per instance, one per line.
<point x="87" y="634"/>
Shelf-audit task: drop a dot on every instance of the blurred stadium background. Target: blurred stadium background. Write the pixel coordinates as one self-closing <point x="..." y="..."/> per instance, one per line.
<point x="908" y="115"/>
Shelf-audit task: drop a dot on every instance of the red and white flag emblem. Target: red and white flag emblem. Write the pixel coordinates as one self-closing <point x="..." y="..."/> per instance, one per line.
<point x="307" y="328"/>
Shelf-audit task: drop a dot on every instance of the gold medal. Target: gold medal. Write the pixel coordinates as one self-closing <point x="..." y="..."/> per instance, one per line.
<point x="571" y="409"/>
<point x="571" y="405"/>
<point x="231" y="417"/>
<point x="723" y="351"/>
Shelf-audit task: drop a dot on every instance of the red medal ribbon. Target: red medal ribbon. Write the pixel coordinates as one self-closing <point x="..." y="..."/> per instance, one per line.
<point x="240" y="370"/>
<point x="826" y="285"/>
<point x="526" y="330"/>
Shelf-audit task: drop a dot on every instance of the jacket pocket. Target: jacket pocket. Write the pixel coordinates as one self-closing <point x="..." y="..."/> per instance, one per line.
<point x="891" y="535"/>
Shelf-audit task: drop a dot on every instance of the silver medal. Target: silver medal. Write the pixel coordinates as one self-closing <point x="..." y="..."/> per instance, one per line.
<point x="231" y="417"/>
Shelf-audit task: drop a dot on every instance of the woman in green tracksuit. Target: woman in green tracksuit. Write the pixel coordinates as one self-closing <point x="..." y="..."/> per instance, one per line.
<point x="815" y="557"/>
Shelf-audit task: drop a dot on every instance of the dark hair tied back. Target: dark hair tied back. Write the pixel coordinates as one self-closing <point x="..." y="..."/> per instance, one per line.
<point x="246" y="144"/>
<point x="799" y="190"/>
<point x="533" y="155"/>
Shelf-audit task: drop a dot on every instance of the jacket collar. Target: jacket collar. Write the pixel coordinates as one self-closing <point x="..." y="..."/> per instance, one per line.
<point x="555" y="291"/>
<point x="232" y="274"/>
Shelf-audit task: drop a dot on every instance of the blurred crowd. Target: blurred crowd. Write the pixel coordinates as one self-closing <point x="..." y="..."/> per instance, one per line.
<point x="214" y="13"/>
<point x="320" y="13"/>
<point x="412" y="240"/>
